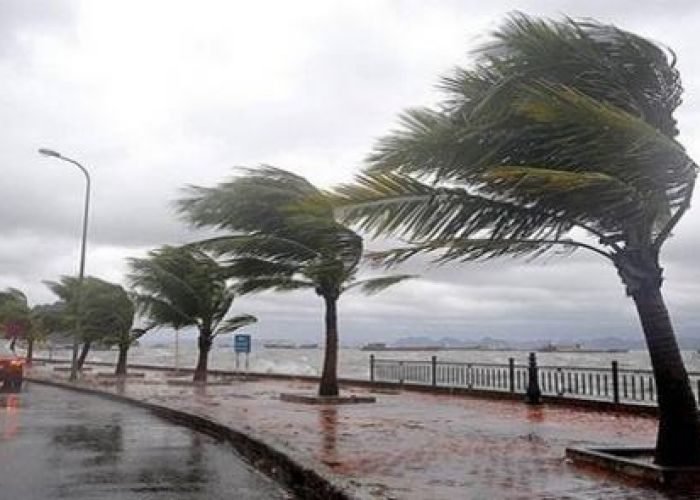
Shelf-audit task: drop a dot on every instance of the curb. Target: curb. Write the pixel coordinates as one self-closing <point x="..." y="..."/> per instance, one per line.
<point x="303" y="481"/>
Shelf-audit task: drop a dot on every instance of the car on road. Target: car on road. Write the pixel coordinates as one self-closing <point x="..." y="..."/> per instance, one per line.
<point x="11" y="370"/>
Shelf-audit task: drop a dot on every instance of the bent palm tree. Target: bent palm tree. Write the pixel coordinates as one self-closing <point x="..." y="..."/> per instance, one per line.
<point x="183" y="286"/>
<point x="20" y="321"/>
<point x="561" y="137"/>
<point x="287" y="239"/>
<point x="106" y="312"/>
<point x="110" y="315"/>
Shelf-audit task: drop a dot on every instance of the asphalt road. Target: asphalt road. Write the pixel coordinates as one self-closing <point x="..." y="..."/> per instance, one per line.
<point x="59" y="444"/>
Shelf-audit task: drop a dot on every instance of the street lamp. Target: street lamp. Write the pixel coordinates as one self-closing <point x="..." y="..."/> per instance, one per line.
<point x="81" y="274"/>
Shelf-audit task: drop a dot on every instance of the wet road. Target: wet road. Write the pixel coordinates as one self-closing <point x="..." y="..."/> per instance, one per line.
<point x="58" y="444"/>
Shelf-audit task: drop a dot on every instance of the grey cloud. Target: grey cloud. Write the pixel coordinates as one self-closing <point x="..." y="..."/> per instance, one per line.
<point x="356" y="69"/>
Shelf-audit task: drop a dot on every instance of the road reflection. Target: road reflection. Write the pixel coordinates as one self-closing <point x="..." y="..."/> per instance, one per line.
<point x="328" y="423"/>
<point x="103" y="440"/>
<point x="77" y="447"/>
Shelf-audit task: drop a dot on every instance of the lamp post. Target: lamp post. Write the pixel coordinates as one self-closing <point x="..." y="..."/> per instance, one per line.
<point x="81" y="273"/>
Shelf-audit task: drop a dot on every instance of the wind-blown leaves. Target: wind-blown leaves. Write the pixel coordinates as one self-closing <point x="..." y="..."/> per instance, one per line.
<point x="106" y="311"/>
<point x="370" y="286"/>
<point x="559" y="125"/>
<point x="230" y="325"/>
<point x="181" y="286"/>
<point x="285" y="233"/>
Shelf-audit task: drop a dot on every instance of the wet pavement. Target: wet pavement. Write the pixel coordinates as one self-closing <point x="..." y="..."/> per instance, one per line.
<point x="417" y="446"/>
<point x="59" y="444"/>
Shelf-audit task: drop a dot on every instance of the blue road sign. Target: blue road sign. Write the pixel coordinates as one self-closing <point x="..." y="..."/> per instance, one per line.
<point x="241" y="343"/>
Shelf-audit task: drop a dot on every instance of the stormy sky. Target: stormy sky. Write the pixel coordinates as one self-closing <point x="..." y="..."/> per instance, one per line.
<point x="154" y="95"/>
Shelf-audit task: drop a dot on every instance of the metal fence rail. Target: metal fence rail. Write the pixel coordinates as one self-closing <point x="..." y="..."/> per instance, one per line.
<point x="577" y="382"/>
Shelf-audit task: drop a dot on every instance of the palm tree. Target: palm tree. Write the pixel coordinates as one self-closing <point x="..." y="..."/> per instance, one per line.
<point x="285" y="238"/>
<point x="15" y="314"/>
<point x="107" y="313"/>
<point x="109" y="317"/>
<point x="20" y="321"/>
<point x="561" y="136"/>
<point x="183" y="286"/>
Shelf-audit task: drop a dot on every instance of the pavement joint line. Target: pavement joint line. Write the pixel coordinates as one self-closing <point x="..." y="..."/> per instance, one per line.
<point x="302" y="480"/>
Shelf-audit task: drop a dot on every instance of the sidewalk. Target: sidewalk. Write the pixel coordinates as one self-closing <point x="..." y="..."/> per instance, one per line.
<point x="409" y="445"/>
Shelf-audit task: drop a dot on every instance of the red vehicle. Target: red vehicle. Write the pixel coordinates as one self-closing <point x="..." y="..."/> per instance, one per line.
<point x="11" y="370"/>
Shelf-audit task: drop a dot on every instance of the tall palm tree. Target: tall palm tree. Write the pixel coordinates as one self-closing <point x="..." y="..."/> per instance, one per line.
<point x="561" y="136"/>
<point x="285" y="237"/>
<point x="183" y="286"/>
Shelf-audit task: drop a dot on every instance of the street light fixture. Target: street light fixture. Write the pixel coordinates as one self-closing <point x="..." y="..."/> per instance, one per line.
<point x="81" y="274"/>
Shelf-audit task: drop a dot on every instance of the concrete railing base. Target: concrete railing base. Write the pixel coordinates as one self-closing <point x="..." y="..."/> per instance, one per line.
<point x="636" y="462"/>
<point x="313" y="399"/>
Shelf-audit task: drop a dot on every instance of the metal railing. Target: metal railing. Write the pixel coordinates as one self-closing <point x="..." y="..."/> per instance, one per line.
<point x="614" y="384"/>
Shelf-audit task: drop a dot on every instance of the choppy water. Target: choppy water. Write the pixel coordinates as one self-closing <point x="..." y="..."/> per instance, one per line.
<point x="354" y="363"/>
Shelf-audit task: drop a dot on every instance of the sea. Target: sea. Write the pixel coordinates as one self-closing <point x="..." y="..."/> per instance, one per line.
<point x="354" y="362"/>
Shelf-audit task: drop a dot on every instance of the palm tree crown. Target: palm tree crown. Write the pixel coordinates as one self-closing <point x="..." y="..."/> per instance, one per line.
<point x="560" y="125"/>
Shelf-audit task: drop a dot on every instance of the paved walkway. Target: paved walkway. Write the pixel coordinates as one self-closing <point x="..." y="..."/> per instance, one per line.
<point x="416" y="446"/>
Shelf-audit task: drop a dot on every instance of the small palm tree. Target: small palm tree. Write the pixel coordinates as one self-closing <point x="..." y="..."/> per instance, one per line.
<point x="110" y="317"/>
<point x="561" y="137"/>
<point x="15" y="316"/>
<point x="285" y="238"/>
<point x="183" y="286"/>
<point x="106" y="316"/>
<point x="20" y="321"/>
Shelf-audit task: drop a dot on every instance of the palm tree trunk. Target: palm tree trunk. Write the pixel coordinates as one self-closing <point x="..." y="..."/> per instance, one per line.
<point x="83" y="355"/>
<point x="30" y="350"/>
<point x="204" y="343"/>
<point x="678" y="438"/>
<point x="121" y="360"/>
<point x="329" y="376"/>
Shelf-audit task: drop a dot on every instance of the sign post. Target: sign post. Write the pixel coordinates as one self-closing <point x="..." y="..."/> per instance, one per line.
<point x="241" y="344"/>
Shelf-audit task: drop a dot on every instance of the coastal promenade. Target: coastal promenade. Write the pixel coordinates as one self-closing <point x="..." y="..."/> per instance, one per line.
<point x="408" y="445"/>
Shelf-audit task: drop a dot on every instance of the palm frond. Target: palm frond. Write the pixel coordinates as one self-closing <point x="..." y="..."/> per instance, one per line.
<point x="277" y="284"/>
<point x="397" y="204"/>
<point x="474" y="249"/>
<point x="230" y="325"/>
<point x="370" y="286"/>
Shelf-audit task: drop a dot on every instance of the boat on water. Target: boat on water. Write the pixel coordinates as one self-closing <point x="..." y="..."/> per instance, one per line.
<point x="380" y="346"/>
<point x="289" y="345"/>
<point x="575" y="348"/>
<point x="279" y="345"/>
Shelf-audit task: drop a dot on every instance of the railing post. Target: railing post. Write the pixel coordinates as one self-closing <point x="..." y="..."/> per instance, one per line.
<point x="533" y="396"/>
<point x="615" y="383"/>
<point x="401" y="372"/>
<point x="511" y="374"/>
<point x="371" y="367"/>
<point x="433" y="366"/>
